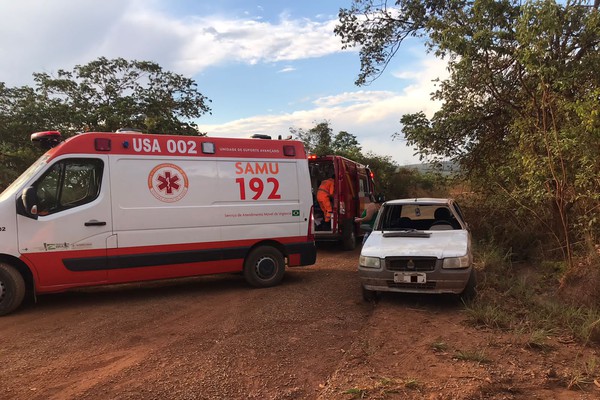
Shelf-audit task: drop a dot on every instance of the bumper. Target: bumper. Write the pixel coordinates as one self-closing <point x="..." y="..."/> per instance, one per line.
<point x="437" y="281"/>
<point x="302" y="254"/>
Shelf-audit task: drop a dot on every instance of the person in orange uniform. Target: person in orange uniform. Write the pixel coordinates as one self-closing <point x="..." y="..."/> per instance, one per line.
<point x="324" y="195"/>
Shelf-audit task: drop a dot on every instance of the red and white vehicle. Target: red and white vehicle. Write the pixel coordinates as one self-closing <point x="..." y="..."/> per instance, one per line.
<point x="353" y="186"/>
<point x="107" y="208"/>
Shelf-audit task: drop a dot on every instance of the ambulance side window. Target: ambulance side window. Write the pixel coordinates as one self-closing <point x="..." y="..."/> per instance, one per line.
<point x="69" y="183"/>
<point x="362" y="185"/>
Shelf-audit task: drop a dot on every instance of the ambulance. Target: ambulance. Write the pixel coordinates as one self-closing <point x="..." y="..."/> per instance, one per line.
<point x="353" y="187"/>
<point x="109" y="208"/>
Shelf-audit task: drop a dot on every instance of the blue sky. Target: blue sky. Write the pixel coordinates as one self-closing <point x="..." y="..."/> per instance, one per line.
<point x="267" y="66"/>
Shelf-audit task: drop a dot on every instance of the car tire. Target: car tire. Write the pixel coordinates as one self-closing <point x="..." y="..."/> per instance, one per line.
<point x="470" y="290"/>
<point x="12" y="289"/>
<point x="264" y="267"/>
<point x="369" y="296"/>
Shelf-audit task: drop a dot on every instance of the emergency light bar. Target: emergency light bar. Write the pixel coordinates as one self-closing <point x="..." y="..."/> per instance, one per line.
<point x="289" y="151"/>
<point x="102" y="144"/>
<point x="46" y="139"/>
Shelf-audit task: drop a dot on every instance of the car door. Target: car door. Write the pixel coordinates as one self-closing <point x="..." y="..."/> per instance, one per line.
<point x="66" y="243"/>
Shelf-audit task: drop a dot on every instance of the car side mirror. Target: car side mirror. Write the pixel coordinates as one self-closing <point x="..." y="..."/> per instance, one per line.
<point x="30" y="202"/>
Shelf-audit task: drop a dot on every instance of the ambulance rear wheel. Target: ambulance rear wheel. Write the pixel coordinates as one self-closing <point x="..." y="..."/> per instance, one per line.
<point x="12" y="289"/>
<point x="264" y="267"/>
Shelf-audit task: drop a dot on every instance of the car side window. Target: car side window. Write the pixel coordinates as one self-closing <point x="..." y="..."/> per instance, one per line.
<point x="69" y="183"/>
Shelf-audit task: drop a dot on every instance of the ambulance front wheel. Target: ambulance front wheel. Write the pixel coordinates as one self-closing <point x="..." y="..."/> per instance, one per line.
<point x="12" y="289"/>
<point x="264" y="267"/>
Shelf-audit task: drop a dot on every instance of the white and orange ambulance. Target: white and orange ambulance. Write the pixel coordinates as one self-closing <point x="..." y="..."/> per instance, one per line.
<point x="107" y="208"/>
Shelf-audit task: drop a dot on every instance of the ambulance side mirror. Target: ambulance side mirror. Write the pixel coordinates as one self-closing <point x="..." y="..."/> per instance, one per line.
<point x="29" y="201"/>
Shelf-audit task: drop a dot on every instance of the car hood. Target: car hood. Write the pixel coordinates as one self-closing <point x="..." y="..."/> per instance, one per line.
<point x="439" y="244"/>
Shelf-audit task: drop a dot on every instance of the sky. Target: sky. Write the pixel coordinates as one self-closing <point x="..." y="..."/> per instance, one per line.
<point x="266" y="65"/>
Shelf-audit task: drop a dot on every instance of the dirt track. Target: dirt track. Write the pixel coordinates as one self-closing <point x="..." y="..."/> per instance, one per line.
<point x="310" y="338"/>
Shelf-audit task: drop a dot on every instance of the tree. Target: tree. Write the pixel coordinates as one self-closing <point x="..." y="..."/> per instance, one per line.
<point x="22" y="111"/>
<point x="103" y="95"/>
<point x="110" y="94"/>
<point x="345" y="144"/>
<point x="317" y="139"/>
<point x="519" y="110"/>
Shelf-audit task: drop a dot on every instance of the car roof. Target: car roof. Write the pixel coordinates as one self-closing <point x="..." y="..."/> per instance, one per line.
<point x="421" y="200"/>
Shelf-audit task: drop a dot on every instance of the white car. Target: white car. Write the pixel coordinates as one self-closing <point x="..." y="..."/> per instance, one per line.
<point x="418" y="245"/>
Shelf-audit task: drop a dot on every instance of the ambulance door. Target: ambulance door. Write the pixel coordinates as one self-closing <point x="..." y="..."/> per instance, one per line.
<point x="66" y="239"/>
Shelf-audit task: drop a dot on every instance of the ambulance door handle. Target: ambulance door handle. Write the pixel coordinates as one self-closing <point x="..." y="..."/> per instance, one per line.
<point x="93" y="222"/>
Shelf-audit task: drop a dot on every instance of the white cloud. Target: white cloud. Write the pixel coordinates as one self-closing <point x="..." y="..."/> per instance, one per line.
<point x="288" y="68"/>
<point x="372" y="116"/>
<point x="44" y="36"/>
<point x="249" y="41"/>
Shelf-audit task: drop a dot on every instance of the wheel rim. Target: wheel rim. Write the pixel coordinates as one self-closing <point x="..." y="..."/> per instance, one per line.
<point x="266" y="268"/>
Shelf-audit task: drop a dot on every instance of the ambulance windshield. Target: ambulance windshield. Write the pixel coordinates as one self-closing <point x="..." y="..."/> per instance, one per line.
<point x="25" y="176"/>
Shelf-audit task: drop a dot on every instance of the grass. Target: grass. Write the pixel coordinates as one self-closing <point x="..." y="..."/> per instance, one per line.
<point x="530" y="301"/>
<point x="439" y="346"/>
<point x="579" y="381"/>
<point x="522" y="299"/>
<point x="412" y="383"/>
<point x="477" y="356"/>
<point x="356" y="393"/>
<point x="383" y="387"/>
<point x="584" y="374"/>
<point x="481" y="313"/>
<point x="537" y="340"/>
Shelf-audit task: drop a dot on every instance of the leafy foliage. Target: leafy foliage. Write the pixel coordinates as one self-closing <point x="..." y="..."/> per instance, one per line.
<point x="390" y="179"/>
<point x="317" y="140"/>
<point x="111" y="94"/>
<point x="519" y="111"/>
<point x="103" y="95"/>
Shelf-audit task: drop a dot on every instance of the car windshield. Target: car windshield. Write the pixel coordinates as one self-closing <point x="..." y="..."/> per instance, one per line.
<point x="405" y="217"/>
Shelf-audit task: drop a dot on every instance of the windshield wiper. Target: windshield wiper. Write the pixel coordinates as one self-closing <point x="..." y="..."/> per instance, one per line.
<point x="406" y="233"/>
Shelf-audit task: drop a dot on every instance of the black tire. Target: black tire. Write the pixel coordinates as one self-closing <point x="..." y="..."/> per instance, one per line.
<point x="12" y="289"/>
<point x="470" y="290"/>
<point x="369" y="296"/>
<point x="264" y="267"/>
<point x="348" y="236"/>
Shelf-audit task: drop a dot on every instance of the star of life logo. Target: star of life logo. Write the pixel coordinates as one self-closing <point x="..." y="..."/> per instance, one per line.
<point x="168" y="183"/>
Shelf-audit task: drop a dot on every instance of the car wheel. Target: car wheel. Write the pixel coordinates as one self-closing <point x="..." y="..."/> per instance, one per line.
<point x="470" y="290"/>
<point x="12" y="289"/>
<point x="264" y="267"/>
<point x="370" y="296"/>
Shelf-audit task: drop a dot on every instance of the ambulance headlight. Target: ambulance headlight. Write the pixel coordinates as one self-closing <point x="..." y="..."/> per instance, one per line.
<point x="369" y="262"/>
<point x="457" y="262"/>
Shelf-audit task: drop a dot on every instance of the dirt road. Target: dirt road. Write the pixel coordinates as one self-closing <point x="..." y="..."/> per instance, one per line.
<point x="310" y="338"/>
